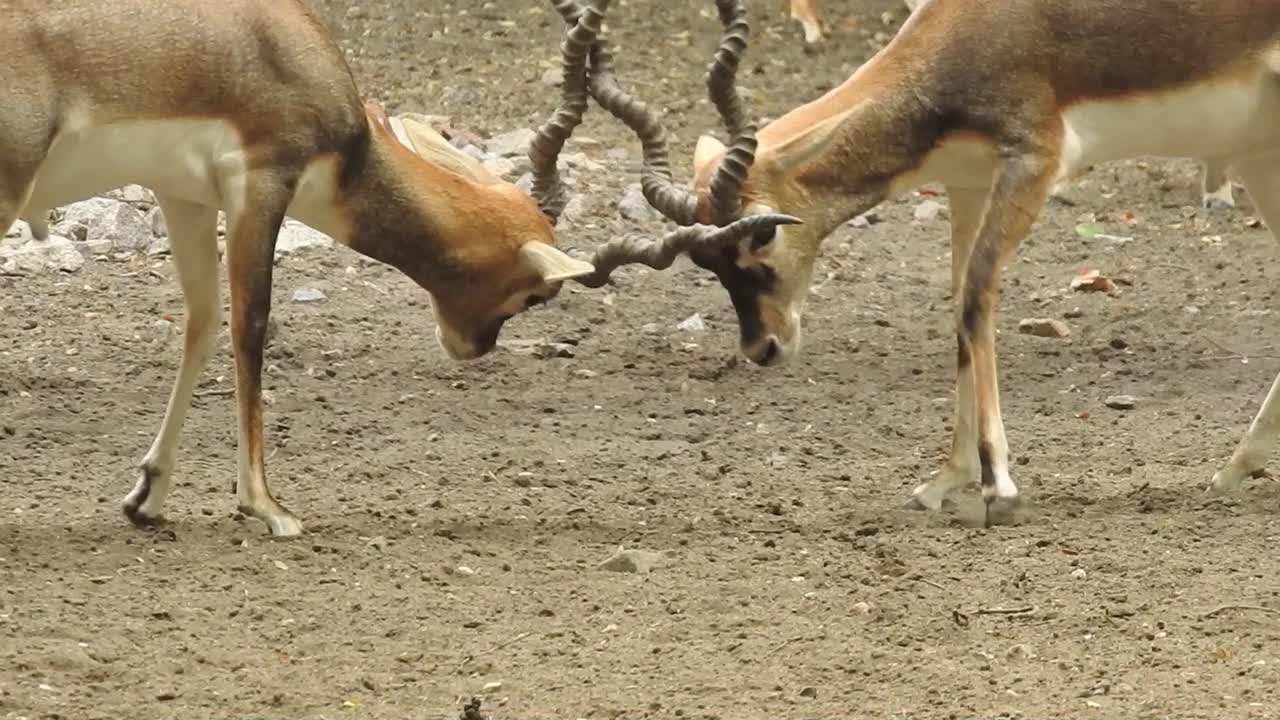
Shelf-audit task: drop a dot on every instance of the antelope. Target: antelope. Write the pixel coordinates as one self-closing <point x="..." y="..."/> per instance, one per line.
<point x="250" y="108"/>
<point x="805" y="12"/>
<point x="998" y="119"/>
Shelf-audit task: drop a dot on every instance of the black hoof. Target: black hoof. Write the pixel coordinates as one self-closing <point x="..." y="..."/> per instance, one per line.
<point x="1004" y="511"/>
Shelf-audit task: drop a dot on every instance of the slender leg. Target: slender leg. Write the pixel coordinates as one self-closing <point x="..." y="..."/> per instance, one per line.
<point x="193" y="232"/>
<point x="806" y="13"/>
<point x="1020" y="189"/>
<point x="253" y="224"/>
<point x="966" y="207"/>
<point x="1261" y="178"/>
<point x="1215" y="187"/>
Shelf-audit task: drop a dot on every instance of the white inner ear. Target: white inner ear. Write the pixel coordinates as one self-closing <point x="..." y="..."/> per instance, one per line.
<point x="706" y="150"/>
<point x="397" y="127"/>
<point x="431" y="146"/>
<point x="551" y="263"/>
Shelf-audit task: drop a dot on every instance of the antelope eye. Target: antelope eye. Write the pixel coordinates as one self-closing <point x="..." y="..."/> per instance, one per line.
<point x="762" y="237"/>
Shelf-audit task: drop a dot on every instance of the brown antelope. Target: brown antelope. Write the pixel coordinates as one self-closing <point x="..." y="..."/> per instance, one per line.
<point x="805" y="12"/>
<point x="998" y="118"/>
<point x="249" y="107"/>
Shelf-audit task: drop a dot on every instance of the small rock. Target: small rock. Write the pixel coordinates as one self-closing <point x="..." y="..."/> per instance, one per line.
<point x="631" y="561"/>
<point x="515" y="142"/>
<point x="1092" y="281"/>
<point x="634" y="207"/>
<point x="308" y="295"/>
<point x="692" y="324"/>
<point x="119" y="222"/>
<point x="17" y="230"/>
<point x="475" y="152"/>
<point x="1043" y="327"/>
<point x="55" y="253"/>
<point x="1079" y="574"/>
<point x="493" y="686"/>
<point x="295" y="236"/>
<point x="809" y="692"/>
<point x="575" y="209"/>
<point x="500" y="166"/>
<point x="1021" y="651"/>
<point x="1121" y="402"/>
<point x="155" y="218"/>
<point x="861" y="607"/>
<point x="930" y="210"/>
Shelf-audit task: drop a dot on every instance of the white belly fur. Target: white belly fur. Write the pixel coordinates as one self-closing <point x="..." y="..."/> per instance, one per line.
<point x="199" y="161"/>
<point x="1231" y="117"/>
<point x="1217" y="120"/>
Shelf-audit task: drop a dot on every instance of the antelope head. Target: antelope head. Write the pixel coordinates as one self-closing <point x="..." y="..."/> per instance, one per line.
<point x="767" y="267"/>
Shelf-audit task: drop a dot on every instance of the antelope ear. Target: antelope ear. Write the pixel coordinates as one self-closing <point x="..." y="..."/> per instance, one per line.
<point x="707" y="149"/>
<point x="800" y="150"/>
<point x="552" y="263"/>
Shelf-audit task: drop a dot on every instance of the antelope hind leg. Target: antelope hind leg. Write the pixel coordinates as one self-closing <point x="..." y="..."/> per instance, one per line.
<point x="1261" y="179"/>
<point x="193" y="232"/>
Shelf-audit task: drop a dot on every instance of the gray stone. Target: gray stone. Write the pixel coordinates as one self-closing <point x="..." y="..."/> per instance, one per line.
<point x="54" y="253"/>
<point x="159" y="226"/>
<point x="295" y="236"/>
<point x="502" y="167"/>
<point x="17" y="230"/>
<point x="634" y="207"/>
<point x="1121" y="402"/>
<point x="930" y="210"/>
<point x="308" y="295"/>
<point x="120" y="223"/>
<point x="514" y="142"/>
<point x="692" y="324"/>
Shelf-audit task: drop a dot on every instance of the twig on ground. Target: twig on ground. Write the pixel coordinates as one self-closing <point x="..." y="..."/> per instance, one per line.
<point x="220" y="392"/>
<point x="1225" y="608"/>
<point x="1005" y="611"/>
<point x="500" y="646"/>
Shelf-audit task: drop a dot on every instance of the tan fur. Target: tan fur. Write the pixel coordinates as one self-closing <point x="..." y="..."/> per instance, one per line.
<point x="260" y="107"/>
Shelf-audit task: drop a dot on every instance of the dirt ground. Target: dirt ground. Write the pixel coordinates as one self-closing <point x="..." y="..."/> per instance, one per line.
<point x="456" y="514"/>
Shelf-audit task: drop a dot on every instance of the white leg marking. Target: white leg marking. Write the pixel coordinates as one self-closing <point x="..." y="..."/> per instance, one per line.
<point x="1215" y="187"/>
<point x="193" y="234"/>
<point x="1261" y="178"/>
<point x="962" y="468"/>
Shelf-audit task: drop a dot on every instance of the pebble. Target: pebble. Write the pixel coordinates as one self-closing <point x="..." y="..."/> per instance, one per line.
<point x="1043" y="327"/>
<point x="930" y="210"/>
<point x="1121" y="402"/>
<point x="631" y="561"/>
<point x="308" y="295"/>
<point x="692" y="324"/>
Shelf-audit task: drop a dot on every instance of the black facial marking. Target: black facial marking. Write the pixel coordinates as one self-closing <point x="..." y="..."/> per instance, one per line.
<point x="744" y="285"/>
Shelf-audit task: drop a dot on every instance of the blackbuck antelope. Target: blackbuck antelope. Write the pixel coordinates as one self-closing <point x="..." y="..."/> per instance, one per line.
<point x="805" y="12"/>
<point x="249" y="107"/>
<point x="998" y="101"/>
